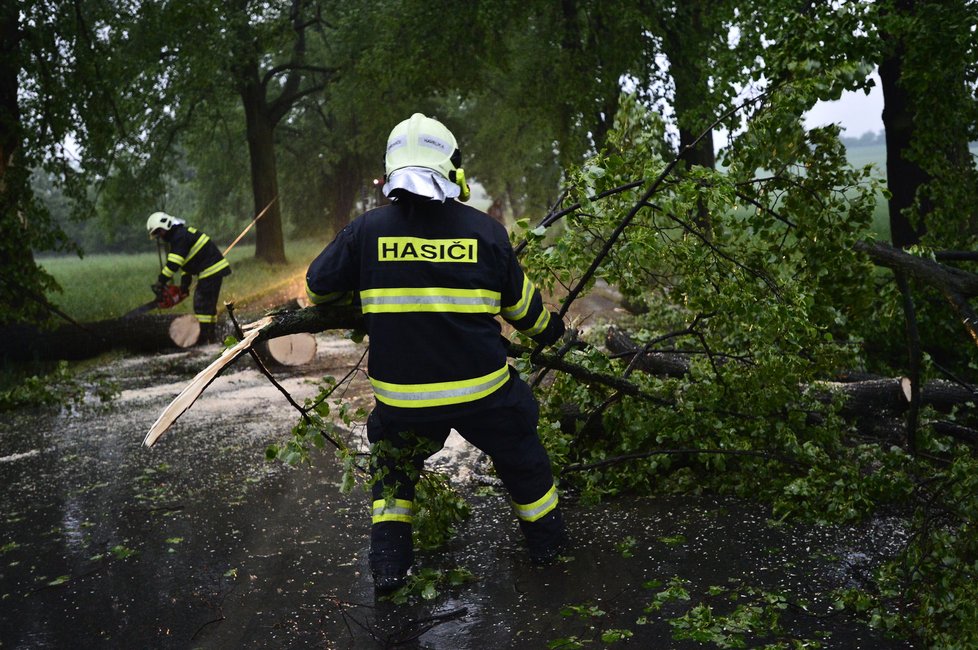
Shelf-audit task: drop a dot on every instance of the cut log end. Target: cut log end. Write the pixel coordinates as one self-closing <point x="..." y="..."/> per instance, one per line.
<point x="290" y="350"/>
<point x="905" y="388"/>
<point x="185" y="331"/>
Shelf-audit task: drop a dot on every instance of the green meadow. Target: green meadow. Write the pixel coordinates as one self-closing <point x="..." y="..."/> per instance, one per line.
<point x="104" y="286"/>
<point x="874" y="155"/>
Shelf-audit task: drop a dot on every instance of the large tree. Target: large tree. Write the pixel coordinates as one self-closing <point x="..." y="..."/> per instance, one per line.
<point x="205" y="58"/>
<point x="929" y="76"/>
<point x="56" y="103"/>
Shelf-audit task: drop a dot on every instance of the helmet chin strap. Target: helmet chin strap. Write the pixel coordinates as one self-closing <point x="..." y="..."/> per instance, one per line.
<point x="458" y="177"/>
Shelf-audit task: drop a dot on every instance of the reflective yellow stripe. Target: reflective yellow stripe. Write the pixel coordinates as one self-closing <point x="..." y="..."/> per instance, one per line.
<point x="395" y="510"/>
<point x="430" y="299"/>
<point x="176" y="259"/>
<point x="540" y="325"/>
<point x="334" y="297"/>
<point x="167" y="271"/>
<point x="539" y="508"/>
<point x="203" y="239"/>
<point x="214" y="268"/>
<point x="206" y="318"/>
<point x="518" y="311"/>
<point x="441" y="393"/>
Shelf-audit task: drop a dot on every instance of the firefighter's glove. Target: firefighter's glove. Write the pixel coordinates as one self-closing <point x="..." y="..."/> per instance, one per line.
<point x="158" y="289"/>
<point x="555" y="330"/>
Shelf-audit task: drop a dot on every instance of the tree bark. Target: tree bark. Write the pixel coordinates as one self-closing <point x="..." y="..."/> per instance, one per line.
<point x="269" y="241"/>
<point x="904" y="176"/>
<point x="343" y="195"/>
<point x="662" y="364"/>
<point x="955" y="285"/>
<point x="146" y="333"/>
<point x="686" y="40"/>
<point x="925" y="270"/>
<point x="16" y="255"/>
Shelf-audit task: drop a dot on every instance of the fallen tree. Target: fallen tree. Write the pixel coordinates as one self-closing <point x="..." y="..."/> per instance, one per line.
<point x="956" y="285"/>
<point x="144" y="333"/>
<point x="874" y="404"/>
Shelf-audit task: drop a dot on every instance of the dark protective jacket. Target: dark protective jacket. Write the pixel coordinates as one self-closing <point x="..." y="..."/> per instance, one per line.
<point x="192" y="252"/>
<point x="430" y="279"/>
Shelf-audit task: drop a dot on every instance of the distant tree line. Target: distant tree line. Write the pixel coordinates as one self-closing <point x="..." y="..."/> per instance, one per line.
<point x="867" y="139"/>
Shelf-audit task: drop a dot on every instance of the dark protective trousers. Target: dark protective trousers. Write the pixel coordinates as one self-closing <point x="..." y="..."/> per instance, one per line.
<point x="507" y="433"/>
<point x="205" y="305"/>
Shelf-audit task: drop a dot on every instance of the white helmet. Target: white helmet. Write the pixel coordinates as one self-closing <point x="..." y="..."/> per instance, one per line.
<point x="160" y="221"/>
<point x="422" y="141"/>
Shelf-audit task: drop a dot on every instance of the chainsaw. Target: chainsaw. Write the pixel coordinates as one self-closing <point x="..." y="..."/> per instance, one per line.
<point x="166" y="297"/>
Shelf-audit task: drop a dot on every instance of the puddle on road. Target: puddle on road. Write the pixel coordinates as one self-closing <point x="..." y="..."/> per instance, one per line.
<point x="201" y="543"/>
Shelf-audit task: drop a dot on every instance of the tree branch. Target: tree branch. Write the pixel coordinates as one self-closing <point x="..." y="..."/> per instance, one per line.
<point x="955" y="284"/>
<point x="677" y="452"/>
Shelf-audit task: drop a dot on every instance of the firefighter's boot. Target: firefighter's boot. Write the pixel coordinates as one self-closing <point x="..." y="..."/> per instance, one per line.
<point x="207" y="334"/>
<point x="546" y="538"/>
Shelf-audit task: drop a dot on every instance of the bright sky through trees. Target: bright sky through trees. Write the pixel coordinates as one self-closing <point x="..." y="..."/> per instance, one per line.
<point x="857" y="112"/>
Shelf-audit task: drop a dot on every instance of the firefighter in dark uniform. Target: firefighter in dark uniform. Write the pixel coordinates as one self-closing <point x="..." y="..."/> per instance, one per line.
<point x="191" y="252"/>
<point x="431" y="275"/>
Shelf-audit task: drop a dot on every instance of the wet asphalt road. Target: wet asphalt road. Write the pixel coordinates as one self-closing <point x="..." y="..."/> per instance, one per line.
<point x="202" y="543"/>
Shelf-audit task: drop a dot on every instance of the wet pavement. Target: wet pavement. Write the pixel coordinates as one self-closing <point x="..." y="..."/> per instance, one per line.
<point x="202" y="543"/>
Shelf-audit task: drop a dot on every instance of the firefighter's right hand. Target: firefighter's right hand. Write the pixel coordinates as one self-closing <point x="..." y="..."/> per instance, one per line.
<point x="555" y="330"/>
<point x="158" y="289"/>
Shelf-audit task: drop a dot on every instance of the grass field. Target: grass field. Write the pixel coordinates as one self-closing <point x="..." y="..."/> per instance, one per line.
<point x="874" y="155"/>
<point x="99" y="287"/>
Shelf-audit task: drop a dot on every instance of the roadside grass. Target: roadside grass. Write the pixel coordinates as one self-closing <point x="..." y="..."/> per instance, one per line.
<point x="105" y="286"/>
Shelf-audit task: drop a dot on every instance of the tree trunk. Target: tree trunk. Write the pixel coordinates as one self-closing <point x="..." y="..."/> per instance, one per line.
<point x="685" y="42"/>
<point x="904" y="177"/>
<point x="146" y="333"/>
<point x="867" y="398"/>
<point x="15" y="249"/>
<point x="10" y="38"/>
<point x="269" y="243"/>
<point x="343" y="195"/>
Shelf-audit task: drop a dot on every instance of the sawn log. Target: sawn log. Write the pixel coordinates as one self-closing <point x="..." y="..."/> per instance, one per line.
<point x="145" y="333"/>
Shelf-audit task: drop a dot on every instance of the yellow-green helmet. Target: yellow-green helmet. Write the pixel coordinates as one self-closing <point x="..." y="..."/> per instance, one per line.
<point x="421" y="141"/>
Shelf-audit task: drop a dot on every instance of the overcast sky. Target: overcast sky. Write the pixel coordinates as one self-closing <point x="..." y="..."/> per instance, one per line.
<point x="856" y="112"/>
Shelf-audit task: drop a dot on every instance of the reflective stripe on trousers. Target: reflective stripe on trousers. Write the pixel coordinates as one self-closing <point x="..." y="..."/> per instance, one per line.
<point x="537" y="509"/>
<point x="393" y="510"/>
